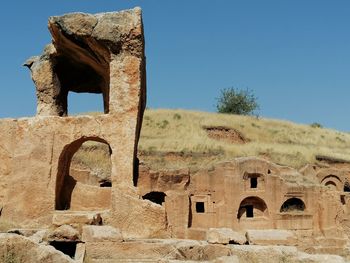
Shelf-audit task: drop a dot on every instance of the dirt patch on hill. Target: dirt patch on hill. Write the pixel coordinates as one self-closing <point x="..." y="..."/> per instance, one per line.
<point x="225" y="134"/>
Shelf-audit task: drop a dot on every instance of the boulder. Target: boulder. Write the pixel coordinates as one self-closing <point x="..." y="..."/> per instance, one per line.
<point x="101" y="234"/>
<point x="39" y="236"/>
<point x="83" y="218"/>
<point x="64" y="233"/>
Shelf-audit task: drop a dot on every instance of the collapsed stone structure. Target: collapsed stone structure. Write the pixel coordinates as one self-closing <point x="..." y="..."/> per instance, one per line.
<point x="245" y="201"/>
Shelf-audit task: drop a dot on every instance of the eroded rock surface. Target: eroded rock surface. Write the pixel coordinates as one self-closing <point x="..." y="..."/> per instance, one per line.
<point x="101" y="53"/>
<point x="101" y="234"/>
<point x="16" y="248"/>
<point x="89" y="53"/>
<point x="63" y="233"/>
<point x="199" y="251"/>
<point x="225" y="236"/>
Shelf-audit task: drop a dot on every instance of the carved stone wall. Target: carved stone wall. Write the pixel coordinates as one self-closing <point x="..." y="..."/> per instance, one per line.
<point x="102" y="53"/>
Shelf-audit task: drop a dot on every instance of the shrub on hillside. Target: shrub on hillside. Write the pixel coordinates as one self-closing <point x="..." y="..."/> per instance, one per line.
<point x="235" y="101"/>
<point x="316" y="125"/>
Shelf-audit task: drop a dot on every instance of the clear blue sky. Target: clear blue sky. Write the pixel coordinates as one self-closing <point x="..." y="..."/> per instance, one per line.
<point x="295" y="55"/>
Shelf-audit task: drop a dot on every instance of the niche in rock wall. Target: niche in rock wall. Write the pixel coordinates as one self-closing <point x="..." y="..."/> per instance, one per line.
<point x="84" y="176"/>
<point x="252" y="207"/>
<point x="254" y="181"/>
<point x="67" y="247"/>
<point x="293" y="205"/>
<point x="155" y="197"/>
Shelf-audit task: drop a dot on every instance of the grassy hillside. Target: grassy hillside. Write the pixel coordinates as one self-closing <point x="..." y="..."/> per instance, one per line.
<point x="176" y="138"/>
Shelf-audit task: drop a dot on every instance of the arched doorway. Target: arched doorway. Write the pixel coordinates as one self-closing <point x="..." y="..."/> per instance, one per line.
<point x="293" y="205"/>
<point x="84" y="176"/>
<point x="252" y="207"/>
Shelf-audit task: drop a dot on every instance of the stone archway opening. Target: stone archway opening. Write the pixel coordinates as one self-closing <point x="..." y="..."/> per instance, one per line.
<point x="79" y="68"/>
<point x="85" y="103"/>
<point x="252" y="207"/>
<point x="293" y="205"/>
<point x="83" y="181"/>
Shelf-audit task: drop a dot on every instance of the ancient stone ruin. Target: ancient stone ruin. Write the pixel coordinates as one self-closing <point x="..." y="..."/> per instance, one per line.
<point x="137" y="214"/>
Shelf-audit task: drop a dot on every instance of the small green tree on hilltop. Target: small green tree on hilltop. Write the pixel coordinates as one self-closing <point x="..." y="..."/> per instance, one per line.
<point x="235" y="101"/>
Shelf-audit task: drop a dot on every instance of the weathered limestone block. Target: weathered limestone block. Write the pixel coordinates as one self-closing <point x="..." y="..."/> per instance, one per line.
<point x="51" y="100"/>
<point x="172" y="250"/>
<point x="138" y="218"/>
<point x="101" y="234"/>
<point x="225" y="236"/>
<point x="177" y="205"/>
<point x="102" y="53"/>
<point x="80" y="218"/>
<point x="271" y="237"/>
<point x="202" y="251"/>
<point x="39" y="236"/>
<point x="63" y="233"/>
<point x="155" y="250"/>
<point x="90" y="198"/>
<point x="80" y="253"/>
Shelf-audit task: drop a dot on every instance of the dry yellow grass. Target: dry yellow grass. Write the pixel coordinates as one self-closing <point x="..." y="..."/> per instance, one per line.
<point x="282" y="142"/>
<point x="181" y="133"/>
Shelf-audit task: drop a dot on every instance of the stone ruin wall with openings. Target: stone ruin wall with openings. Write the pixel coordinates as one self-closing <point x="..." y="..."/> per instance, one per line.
<point x="104" y="54"/>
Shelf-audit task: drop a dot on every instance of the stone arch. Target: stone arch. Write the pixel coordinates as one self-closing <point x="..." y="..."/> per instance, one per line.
<point x="332" y="181"/>
<point x="293" y="205"/>
<point x="252" y="207"/>
<point x="77" y="75"/>
<point x="65" y="183"/>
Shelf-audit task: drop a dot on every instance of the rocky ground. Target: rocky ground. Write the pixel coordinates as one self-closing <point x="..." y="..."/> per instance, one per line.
<point x="104" y="245"/>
